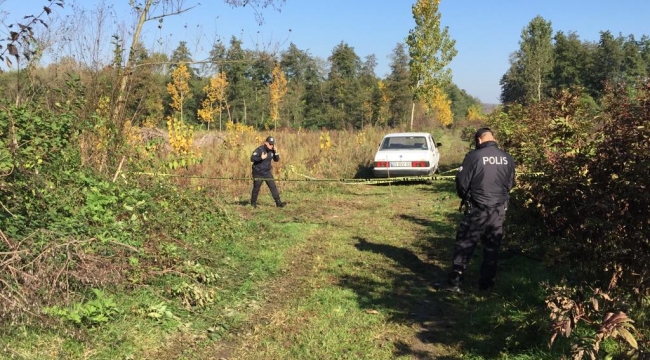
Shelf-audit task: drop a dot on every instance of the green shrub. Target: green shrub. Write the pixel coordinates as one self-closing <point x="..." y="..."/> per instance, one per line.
<point x="94" y="312"/>
<point x="591" y="198"/>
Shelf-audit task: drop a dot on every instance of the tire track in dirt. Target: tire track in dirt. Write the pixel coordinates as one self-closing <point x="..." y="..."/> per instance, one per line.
<point x="357" y="206"/>
<point x="282" y="291"/>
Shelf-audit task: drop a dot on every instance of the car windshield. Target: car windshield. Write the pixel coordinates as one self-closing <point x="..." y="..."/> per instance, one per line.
<point x="404" y="142"/>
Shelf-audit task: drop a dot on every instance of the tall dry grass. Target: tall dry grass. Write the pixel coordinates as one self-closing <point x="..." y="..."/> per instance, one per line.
<point x="326" y="154"/>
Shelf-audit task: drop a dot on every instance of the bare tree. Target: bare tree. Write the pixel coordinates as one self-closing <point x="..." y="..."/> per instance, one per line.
<point x="19" y="39"/>
<point x="155" y="11"/>
<point x="256" y="5"/>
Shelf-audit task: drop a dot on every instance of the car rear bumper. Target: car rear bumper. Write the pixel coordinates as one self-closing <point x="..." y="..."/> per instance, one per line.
<point x="386" y="172"/>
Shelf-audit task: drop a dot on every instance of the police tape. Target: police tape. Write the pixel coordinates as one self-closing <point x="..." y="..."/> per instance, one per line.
<point x="365" y="181"/>
<point x="306" y="178"/>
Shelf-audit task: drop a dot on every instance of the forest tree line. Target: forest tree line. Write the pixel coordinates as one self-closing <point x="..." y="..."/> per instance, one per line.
<point x="577" y="113"/>
<point x="547" y="62"/>
<point x="340" y="92"/>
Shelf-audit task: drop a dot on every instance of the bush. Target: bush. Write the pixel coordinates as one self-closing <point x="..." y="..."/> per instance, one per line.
<point x="592" y="195"/>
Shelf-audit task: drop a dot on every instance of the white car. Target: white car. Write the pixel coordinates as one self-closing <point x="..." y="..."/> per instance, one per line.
<point x="406" y="154"/>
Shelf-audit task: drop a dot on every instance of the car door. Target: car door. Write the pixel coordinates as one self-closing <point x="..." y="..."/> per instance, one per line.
<point x="435" y="155"/>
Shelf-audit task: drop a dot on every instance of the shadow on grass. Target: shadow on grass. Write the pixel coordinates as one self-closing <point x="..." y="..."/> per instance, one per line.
<point x="398" y="182"/>
<point x="410" y="299"/>
<point x="442" y="186"/>
<point x="510" y="320"/>
<point x="364" y="172"/>
<point x="448" y="168"/>
<point x="242" y="202"/>
<point x="420" y="271"/>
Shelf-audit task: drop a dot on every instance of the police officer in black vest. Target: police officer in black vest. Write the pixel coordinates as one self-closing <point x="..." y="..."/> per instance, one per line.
<point x="262" y="172"/>
<point x="483" y="183"/>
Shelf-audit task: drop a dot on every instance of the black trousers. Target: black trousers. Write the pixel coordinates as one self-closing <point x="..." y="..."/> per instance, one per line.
<point x="484" y="225"/>
<point x="257" y="185"/>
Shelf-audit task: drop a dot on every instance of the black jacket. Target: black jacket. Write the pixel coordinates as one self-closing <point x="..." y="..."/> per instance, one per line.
<point x="486" y="176"/>
<point x="262" y="168"/>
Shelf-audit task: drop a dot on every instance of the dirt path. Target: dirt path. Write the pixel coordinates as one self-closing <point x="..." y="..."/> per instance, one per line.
<point x="398" y="235"/>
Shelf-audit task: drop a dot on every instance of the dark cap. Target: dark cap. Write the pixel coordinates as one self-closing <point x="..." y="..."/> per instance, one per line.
<point x="270" y="140"/>
<point x="480" y="133"/>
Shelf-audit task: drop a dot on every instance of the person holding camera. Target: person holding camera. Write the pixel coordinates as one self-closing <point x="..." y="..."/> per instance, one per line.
<point x="483" y="183"/>
<point x="262" y="171"/>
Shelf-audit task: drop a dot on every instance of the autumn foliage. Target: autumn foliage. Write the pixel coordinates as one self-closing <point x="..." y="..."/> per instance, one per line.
<point x="442" y="107"/>
<point x="278" y="90"/>
<point x="215" y="99"/>
<point x="181" y="135"/>
<point x="592" y="197"/>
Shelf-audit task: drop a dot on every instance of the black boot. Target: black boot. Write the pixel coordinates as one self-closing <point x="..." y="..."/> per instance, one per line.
<point x="486" y="285"/>
<point x="453" y="282"/>
<point x="280" y="204"/>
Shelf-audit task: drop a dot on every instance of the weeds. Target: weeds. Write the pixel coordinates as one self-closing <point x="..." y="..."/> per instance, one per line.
<point x="342" y="270"/>
<point x="97" y="311"/>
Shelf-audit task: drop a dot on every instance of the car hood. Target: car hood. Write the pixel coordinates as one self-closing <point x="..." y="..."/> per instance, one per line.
<point x="400" y="155"/>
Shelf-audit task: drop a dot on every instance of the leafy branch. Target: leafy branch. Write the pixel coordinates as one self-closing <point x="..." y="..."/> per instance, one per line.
<point x="23" y="36"/>
<point x="572" y="309"/>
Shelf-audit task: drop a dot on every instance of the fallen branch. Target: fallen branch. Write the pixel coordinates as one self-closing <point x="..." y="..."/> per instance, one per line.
<point x="132" y="248"/>
<point x="7" y="210"/>
<point x="119" y="168"/>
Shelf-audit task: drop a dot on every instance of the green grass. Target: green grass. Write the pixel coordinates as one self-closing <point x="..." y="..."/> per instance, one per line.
<point x="223" y="266"/>
<point x="343" y="272"/>
<point x="363" y="287"/>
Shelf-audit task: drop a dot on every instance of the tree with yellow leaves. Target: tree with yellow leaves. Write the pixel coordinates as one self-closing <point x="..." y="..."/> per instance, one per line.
<point x="146" y="11"/>
<point x="278" y="90"/>
<point x="179" y="88"/>
<point x="431" y="50"/>
<point x="442" y="106"/>
<point x="215" y="100"/>
<point x="475" y="113"/>
<point x="181" y="135"/>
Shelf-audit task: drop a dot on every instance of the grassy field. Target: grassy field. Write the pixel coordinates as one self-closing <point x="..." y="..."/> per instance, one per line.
<point x="345" y="271"/>
<point x="361" y="284"/>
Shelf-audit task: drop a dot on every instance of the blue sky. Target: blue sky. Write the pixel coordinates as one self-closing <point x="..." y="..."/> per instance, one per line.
<point x="486" y="32"/>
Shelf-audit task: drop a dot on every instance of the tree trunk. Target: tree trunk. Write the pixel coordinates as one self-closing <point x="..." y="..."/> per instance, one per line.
<point x="539" y="85"/>
<point x="412" y="114"/>
<point x="228" y="108"/>
<point x="118" y="109"/>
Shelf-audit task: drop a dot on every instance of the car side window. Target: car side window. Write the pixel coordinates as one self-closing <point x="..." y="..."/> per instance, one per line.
<point x="385" y="144"/>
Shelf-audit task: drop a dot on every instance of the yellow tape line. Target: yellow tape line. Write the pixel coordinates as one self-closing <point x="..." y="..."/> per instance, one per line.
<point x="313" y="179"/>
